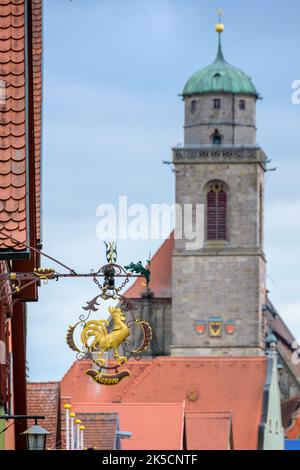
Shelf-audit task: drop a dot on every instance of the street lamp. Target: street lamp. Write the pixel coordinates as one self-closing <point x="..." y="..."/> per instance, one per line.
<point x="36" y="437"/>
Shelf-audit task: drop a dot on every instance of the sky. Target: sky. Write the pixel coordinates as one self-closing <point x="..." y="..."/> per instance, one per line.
<point x="113" y="70"/>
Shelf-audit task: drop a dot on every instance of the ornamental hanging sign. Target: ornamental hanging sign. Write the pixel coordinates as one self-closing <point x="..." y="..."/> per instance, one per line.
<point x="101" y="336"/>
<point x="107" y="342"/>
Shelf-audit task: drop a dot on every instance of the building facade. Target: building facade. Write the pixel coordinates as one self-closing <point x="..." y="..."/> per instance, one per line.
<point x="212" y="300"/>
<point x="20" y="209"/>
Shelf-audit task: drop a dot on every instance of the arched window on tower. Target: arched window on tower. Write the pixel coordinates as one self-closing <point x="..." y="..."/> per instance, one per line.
<point x="216" y="138"/>
<point x="216" y="211"/>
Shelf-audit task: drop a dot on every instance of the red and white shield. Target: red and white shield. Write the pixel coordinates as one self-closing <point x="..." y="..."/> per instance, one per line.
<point x="200" y="327"/>
<point x="230" y="327"/>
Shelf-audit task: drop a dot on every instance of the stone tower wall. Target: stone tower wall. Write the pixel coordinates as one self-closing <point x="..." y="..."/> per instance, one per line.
<point x="223" y="279"/>
<point x="236" y="126"/>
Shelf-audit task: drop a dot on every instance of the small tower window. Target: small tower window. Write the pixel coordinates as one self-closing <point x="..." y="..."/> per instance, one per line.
<point x="216" y="212"/>
<point x="217" y="103"/>
<point x="193" y="106"/>
<point x="216" y="138"/>
<point x="242" y="104"/>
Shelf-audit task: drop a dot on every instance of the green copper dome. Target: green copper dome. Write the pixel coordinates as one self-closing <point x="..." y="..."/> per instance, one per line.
<point x="219" y="77"/>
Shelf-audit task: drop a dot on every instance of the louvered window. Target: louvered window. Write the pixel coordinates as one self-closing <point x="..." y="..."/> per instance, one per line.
<point x="216" y="212"/>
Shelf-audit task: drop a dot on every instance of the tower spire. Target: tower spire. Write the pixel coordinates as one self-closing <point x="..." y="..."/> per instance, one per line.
<point x="219" y="29"/>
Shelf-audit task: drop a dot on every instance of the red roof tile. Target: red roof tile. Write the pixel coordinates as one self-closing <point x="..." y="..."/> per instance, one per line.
<point x="12" y="118"/>
<point x="37" y="102"/>
<point x="43" y="400"/>
<point x="208" y="431"/>
<point x="161" y="273"/>
<point x="154" y="426"/>
<point x="79" y="386"/>
<point x="208" y="384"/>
<point x="13" y="163"/>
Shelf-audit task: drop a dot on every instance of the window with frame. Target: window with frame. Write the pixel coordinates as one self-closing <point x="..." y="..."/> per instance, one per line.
<point x="242" y="104"/>
<point x="216" y="212"/>
<point x="217" y="103"/>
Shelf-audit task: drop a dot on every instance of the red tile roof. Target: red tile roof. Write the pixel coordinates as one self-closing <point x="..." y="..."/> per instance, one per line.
<point x="161" y="273"/>
<point x="154" y="426"/>
<point x="37" y="102"/>
<point x="12" y="116"/>
<point x="43" y="400"/>
<point x="208" y="384"/>
<point x="208" y="431"/>
<point x="13" y="165"/>
<point x="79" y="386"/>
<point x="100" y="429"/>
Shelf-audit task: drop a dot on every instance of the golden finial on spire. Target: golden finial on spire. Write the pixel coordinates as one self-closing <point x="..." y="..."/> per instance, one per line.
<point x="219" y="26"/>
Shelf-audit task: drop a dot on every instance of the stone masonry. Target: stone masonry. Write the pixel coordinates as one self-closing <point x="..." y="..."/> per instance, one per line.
<point x="236" y="126"/>
<point x="225" y="278"/>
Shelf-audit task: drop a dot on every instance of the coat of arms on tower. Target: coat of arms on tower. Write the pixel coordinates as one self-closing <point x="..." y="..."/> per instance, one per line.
<point x="230" y="327"/>
<point x="215" y="326"/>
<point x="200" y="327"/>
<point x="103" y="338"/>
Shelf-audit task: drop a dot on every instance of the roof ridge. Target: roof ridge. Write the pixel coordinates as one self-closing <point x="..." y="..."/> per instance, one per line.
<point x="210" y="358"/>
<point x="211" y="413"/>
<point x="44" y="382"/>
<point x="124" y="405"/>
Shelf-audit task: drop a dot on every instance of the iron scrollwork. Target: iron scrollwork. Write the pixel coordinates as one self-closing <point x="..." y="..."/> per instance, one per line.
<point x="101" y="337"/>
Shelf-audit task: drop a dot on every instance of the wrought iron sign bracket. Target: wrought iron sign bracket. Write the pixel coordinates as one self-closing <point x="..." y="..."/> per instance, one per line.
<point x="99" y="337"/>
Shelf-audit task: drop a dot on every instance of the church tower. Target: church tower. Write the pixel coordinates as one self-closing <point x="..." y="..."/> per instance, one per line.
<point x="218" y="290"/>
